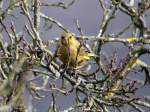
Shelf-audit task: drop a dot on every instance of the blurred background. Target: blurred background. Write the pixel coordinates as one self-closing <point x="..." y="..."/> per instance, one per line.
<point x="89" y="15"/>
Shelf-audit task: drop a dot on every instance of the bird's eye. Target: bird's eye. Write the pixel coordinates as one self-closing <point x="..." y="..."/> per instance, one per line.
<point x="62" y="37"/>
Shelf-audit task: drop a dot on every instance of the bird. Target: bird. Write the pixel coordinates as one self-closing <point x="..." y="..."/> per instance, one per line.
<point x="71" y="52"/>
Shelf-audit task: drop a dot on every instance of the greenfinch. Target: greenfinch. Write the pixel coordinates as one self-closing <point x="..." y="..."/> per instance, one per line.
<point x="71" y="52"/>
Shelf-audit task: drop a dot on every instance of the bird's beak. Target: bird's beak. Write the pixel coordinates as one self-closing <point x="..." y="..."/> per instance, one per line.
<point x="64" y="40"/>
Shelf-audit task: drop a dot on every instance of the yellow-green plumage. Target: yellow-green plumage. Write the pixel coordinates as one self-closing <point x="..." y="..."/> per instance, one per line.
<point x="71" y="53"/>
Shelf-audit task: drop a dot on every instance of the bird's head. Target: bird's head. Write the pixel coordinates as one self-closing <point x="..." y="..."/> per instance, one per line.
<point x="66" y="38"/>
